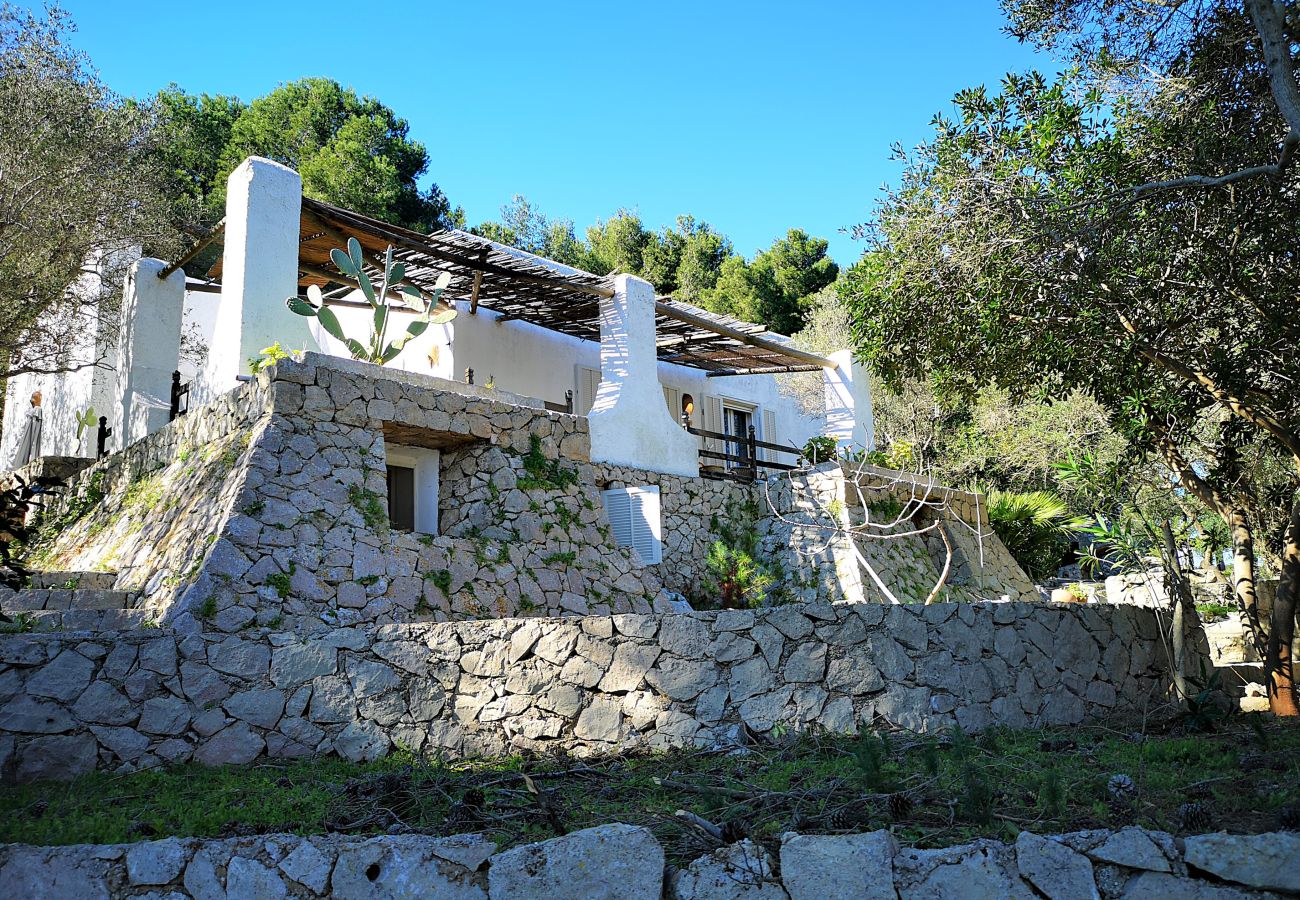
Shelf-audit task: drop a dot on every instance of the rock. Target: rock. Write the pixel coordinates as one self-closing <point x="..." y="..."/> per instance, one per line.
<point x="164" y="715"/>
<point x="983" y="870"/>
<point x="1264" y="861"/>
<point x="308" y="865"/>
<point x="853" y="674"/>
<point x="63" y="678"/>
<point x="839" y="867"/>
<point x="807" y="662"/>
<point x="609" y="862"/>
<point x="1162" y="886"/>
<point x="155" y="862"/>
<point x="601" y="721"/>
<point x="411" y="868"/>
<point x="369" y="678"/>
<point x="249" y="878"/>
<point x="244" y="659"/>
<point x="361" y="742"/>
<point x="103" y="704"/>
<point x="37" y="872"/>
<point x="235" y="745"/>
<point x="27" y="716"/>
<point x="1055" y="869"/>
<point x="627" y="671"/>
<point x="1131" y="847"/>
<point x="260" y="707"/>
<point x="682" y="679"/>
<point x="685" y="636"/>
<point x="57" y="758"/>
<point x="299" y="663"/>
<point x="730" y="873"/>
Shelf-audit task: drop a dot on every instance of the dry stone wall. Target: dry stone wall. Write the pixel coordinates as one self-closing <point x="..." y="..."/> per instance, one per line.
<point x="73" y="702"/>
<point x="627" y="863"/>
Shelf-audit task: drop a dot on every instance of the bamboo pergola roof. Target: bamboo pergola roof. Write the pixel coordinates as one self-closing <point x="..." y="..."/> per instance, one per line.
<point x="520" y="286"/>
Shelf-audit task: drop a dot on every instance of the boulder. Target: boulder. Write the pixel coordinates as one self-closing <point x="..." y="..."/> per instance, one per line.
<point x="609" y="862"/>
<point x="839" y="867"/>
<point x="1265" y="861"/>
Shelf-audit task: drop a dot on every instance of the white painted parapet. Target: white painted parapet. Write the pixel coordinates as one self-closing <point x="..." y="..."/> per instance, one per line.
<point x="629" y="421"/>
<point x="259" y="270"/>
<point x="849" y="418"/>
<point x="148" y="351"/>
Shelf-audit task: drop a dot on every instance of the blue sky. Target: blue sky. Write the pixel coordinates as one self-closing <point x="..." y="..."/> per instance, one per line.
<point x="755" y="117"/>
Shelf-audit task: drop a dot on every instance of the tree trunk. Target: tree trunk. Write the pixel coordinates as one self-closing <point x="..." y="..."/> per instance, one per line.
<point x="1184" y="610"/>
<point x="1243" y="575"/>
<point x="1281" y="684"/>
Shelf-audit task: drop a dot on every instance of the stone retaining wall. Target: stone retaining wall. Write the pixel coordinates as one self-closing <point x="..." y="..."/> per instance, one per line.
<point x="72" y="702"/>
<point x="624" y="862"/>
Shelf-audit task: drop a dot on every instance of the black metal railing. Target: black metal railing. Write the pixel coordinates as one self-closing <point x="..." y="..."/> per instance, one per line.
<point x="101" y="438"/>
<point x="565" y="407"/>
<point x="747" y="462"/>
<point x="180" y="392"/>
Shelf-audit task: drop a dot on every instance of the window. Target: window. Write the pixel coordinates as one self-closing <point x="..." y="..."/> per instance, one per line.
<point x="588" y="385"/>
<point x="401" y="497"/>
<point x="634" y="515"/>
<point x="413" y="488"/>
<point x="735" y="423"/>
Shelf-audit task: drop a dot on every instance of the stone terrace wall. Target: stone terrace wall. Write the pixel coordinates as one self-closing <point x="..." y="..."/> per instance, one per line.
<point x="267" y="507"/>
<point x="151" y="512"/>
<point x="72" y="702"/>
<point x="627" y="862"/>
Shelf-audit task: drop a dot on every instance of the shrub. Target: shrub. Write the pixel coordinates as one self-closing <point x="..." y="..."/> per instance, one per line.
<point x="1034" y="527"/>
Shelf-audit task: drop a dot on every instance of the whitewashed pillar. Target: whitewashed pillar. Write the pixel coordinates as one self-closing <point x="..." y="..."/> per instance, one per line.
<point x="148" y="350"/>
<point x="849" y="418"/>
<point x="630" y="423"/>
<point x="259" y="270"/>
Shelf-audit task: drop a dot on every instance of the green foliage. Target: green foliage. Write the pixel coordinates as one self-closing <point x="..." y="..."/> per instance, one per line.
<point x="1034" y="527"/>
<point x="736" y="574"/>
<point x="207" y="609"/>
<point x="350" y="150"/>
<point x="377" y="349"/>
<point x="820" y="449"/>
<point x="85" y="420"/>
<point x="281" y="582"/>
<point x="542" y="474"/>
<point x="441" y="579"/>
<point x="370" y="505"/>
<point x="562" y="559"/>
<point x="78" y="178"/>
<point x="269" y="357"/>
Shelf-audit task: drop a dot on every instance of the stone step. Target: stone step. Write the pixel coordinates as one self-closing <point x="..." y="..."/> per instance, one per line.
<point x="78" y="620"/>
<point x="102" y="581"/>
<point x="45" y="599"/>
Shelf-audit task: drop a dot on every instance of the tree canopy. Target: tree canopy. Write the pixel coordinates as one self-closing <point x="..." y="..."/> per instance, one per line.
<point x="350" y="150"/>
<point x="80" y="187"/>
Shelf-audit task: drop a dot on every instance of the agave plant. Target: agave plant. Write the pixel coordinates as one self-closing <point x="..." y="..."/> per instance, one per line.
<point x="377" y="349"/>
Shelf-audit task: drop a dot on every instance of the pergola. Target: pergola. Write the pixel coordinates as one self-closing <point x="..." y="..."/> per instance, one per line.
<point x="520" y="286"/>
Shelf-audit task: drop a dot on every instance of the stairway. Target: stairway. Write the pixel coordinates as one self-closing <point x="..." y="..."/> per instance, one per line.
<point x="71" y="601"/>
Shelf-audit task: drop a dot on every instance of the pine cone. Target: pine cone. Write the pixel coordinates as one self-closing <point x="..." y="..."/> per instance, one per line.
<point x="1120" y="787"/>
<point x="1194" y="817"/>
<point x="900" y="805"/>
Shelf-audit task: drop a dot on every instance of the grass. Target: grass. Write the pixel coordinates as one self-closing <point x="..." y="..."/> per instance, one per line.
<point x="1212" y="612"/>
<point x="931" y="791"/>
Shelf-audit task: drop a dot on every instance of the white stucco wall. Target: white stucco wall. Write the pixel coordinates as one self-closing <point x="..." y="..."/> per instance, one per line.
<point x="66" y="395"/>
<point x="199" y="321"/>
<point x="148" y="350"/>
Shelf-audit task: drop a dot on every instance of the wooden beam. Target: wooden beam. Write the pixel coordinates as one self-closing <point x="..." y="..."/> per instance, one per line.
<point x="705" y="324"/>
<point x="340" y="278"/>
<point x="429" y="249"/>
<point x="199" y="247"/>
<point x="764" y="370"/>
<point x="478" y="282"/>
<point x="373" y="259"/>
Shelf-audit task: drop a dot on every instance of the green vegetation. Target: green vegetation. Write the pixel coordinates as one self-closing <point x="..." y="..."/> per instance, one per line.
<point x="1034" y="527"/>
<point x="564" y="559"/>
<point x="370" y="505"/>
<point x="932" y="791"/>
<point x="544" y="474"/>
<point x="441" y="579"/>
<point x="737" y="573"/>
<point x="281" y="581"/>
<point x="377" y="349"/>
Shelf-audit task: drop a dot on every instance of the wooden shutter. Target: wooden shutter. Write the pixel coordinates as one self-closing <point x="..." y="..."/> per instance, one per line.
<point x="635" y="518"/>
<point x="713" y="422"/>
<point x="588" y="384"/>
<point x="769" y="435"/>
<point x="673" y="398"/>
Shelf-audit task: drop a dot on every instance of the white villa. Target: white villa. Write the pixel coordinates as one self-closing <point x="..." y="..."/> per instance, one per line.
<point x="640" y="367"/>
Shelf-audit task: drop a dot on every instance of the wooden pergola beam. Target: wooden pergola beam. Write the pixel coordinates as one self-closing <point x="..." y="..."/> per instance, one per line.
<point x="199" y="246"/>
<point x="705" y="324"/>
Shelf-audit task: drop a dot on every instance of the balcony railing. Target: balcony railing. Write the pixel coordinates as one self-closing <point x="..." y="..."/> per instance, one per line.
<point x="746" y="462"/>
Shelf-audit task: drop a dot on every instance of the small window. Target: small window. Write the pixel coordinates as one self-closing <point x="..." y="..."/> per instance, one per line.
<point x="401" y="497"/>
<point x="634" y="515"/>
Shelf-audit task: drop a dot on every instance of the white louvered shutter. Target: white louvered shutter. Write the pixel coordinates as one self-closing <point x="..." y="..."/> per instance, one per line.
<point x="635" y="518"/>
<point x="770" y="436"/>
<point x="588" y="384"/>
<point x="713" y="422"/>
<point x="673" y="398"/>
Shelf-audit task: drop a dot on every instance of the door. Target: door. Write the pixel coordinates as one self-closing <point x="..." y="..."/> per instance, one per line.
<point x="736" y="422"/>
